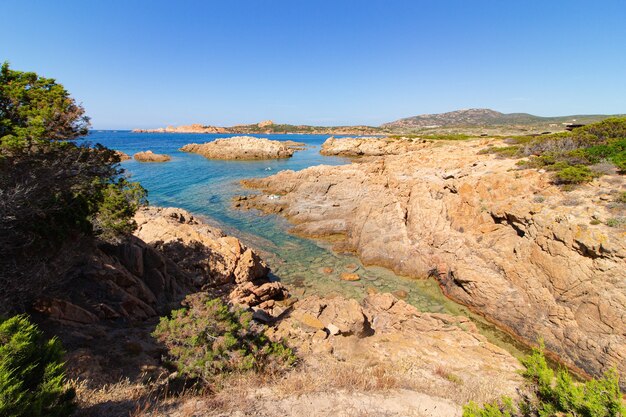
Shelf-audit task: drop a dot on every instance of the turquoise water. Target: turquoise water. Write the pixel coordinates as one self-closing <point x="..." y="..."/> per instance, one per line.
<point x="206" y="187"/>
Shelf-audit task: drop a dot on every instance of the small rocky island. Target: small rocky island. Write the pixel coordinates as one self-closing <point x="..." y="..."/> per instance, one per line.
<point x="149" y="156"/>
<point x="244" y="148"/>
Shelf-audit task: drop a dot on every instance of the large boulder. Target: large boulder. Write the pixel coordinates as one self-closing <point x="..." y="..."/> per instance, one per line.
<point x="242" y="148"/>
<point x="149" y="156"/>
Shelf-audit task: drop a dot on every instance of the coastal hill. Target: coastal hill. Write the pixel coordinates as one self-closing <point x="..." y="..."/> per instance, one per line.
<point x="267" y="127"/>
<point x="468" y="121"/>
<point x="486" y="118"/>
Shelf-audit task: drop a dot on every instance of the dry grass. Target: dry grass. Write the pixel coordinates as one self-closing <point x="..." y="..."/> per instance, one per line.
<point x="242" y="394"/>
<point x="332" y="376"/>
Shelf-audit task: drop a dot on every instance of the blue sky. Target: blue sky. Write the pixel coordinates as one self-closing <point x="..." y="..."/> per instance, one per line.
<point x="150" y="63"/>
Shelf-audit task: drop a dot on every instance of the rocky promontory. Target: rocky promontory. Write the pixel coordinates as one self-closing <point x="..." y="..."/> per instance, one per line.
<point x="149" y="156"/>
<point x="244" y="148"/>
<point x="364" y="146"/>
<point x="539" y="261"/>
<point x="266" y="127"/>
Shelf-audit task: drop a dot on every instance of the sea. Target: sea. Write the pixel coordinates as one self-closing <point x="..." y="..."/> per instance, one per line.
<point x="206" y="188"/>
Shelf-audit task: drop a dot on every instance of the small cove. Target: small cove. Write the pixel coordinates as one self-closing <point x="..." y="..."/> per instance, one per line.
<point x="206" y="187"/>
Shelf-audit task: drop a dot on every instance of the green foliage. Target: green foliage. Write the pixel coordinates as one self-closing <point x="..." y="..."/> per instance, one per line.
<point x="556" y="395"/>
<point x="208" y="339"/>
<point x="35" y="109"/>
<point x="569" y="153"/>
<point x="616" y="222"/>
<point x="32" y="379"/>
<point x="574" y="175"/>
<point x="503" y="151"/>
<point x="116" y="208"/>
<point x="52" y="190"/>
<point x="502" y="408"/>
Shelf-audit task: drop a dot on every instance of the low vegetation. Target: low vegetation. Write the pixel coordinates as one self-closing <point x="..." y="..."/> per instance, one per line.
<point x="32" y="378"/>
<point x="551" y="395"/>
<point x="434" y="136"/>
<point x="572" y="156"/>
<point x="207" y="340"/>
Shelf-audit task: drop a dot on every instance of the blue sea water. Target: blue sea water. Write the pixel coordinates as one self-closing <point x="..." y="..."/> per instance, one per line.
<point x="205" y="188"/>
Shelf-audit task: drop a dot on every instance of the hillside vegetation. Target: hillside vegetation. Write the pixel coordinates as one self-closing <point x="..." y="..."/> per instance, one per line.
<point x="575" y="157"/>
<point x="485" y="118"/>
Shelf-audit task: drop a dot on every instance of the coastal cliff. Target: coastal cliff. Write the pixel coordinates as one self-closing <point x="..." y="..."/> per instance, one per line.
<point x="535" y="259"/>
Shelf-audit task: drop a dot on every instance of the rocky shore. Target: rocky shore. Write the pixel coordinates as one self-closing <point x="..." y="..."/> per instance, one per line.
<point x="535" y="259"/>
<point x="116" y="293"/>
<point x="244" y="148"/>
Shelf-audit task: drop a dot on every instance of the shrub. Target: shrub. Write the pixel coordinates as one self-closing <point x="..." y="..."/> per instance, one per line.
<point x="502" y="151"/>
<point x="574" y="175"/>
<point x="603" y="142"/>
<point x="116" y="208"/>
<point x="556" y="395"/>
<point x="208" y="339"/>
<point x="616" y="222"/>
<point x="32" y="379"/>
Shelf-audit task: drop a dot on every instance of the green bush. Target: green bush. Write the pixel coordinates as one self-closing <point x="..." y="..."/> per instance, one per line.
<point x="574" y="175"/>
<point x="116" y="207"/>
<point x="567" y="153"/>
<point x="208" y="339"/>
<point x="616" y="222"/>
<point x="503" y="151"/>
<point x="32" y="379"/>
<point x="556" y="395"/>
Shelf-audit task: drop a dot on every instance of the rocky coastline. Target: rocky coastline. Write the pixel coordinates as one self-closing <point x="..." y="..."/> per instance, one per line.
<point x="244" y="148"/>
<point x="506" y="242"/>
<point x="118" y="291"/>
<point x="266" y="127"/>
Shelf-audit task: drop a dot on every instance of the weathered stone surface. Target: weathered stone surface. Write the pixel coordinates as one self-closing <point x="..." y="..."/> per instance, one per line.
<point x="243" y="147"/>
<point x="368" y="146"/>
<point x="213" y="260"/>
<point x="347" y="276"/>
<point x="149" y="156"/>
<point x="123" y="156"/>
<point x="64" y="310"/>
<point x="204" y="251"/>
<point x="534" y="265"/>
<point x="384" y="329"/>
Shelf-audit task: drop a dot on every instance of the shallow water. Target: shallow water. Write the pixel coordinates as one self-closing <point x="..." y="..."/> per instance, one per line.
<point x="205" y="188"/>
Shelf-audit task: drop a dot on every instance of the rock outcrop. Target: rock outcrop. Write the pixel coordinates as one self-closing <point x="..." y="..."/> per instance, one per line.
<point x="213" y="260"/>
<point x="171" y="255"/>
<point x="383" y="329"/>
<point x="243" y="148"/>
<point x="530" y="257"/>
<point x="123" y="156"/>
<point x="149" y="156"/>
<point x="193" y="128"/>
<point x="368" y="146"/>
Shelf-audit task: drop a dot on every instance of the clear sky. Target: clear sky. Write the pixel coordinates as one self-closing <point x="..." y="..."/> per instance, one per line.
<point x="148" y="63"/>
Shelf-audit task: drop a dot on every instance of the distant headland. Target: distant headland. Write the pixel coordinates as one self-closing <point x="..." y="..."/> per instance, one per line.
<point x="469" y="121"/>
<point x="268" y="127"/>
